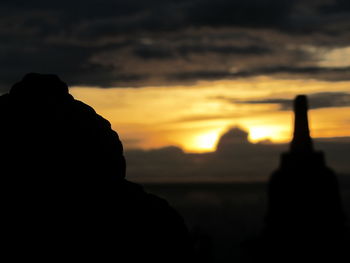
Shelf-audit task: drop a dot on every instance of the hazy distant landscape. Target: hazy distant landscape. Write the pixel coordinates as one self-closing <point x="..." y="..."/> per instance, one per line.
<point x="223" y="215"/>
<point x="222" y="195"/>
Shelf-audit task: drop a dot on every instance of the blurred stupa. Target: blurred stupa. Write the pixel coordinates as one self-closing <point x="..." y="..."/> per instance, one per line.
<point x="305" y="219"/>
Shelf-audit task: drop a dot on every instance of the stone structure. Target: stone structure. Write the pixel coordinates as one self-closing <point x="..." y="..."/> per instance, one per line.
<point x="305" y="217"/>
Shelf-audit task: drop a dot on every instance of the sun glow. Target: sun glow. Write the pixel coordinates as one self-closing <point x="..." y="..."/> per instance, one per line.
<point x="205" y="142"/>
<point x="259" y="133"/>
<point x="193" y="118"/>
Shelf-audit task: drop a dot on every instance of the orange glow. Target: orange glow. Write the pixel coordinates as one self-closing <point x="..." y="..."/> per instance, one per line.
<point x="193" y="117"/>
<point x="277" y="134"/>
<point x="205" y="142"/>
<point x="259" y="133"/>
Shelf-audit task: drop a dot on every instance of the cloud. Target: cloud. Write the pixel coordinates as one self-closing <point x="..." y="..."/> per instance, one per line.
<point x="206" y="117"/>
<point x="236" y="159"/>
<point x="223" y="49"/>
<point x="284" y="104"/>
<point x="153" y="52"/>
<point x="199" y="74"/>
<point x="135" y="43"/>
<point x="336" y="6"/>
<point x="233" y="137"/>
<point x="321" y="73"/>
<point x="316" y="101"/>
<point x="250" y="13"/>
<point x="148" y="51"/>
<point x="329" y="99"/>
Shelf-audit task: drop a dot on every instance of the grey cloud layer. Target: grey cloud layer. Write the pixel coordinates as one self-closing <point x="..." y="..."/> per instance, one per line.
<point x="316" y="101"/>
<point x="134" y="43"/>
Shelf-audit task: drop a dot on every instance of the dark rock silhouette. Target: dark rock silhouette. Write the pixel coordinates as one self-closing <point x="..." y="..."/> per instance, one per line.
<point x="64" y="192"/>
<point x="305" y="220"/>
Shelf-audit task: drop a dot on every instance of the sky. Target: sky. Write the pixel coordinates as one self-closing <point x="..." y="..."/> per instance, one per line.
<point x="235" y="159"/>
<point x="194" y="117"/>
<point x="181" y="73"/>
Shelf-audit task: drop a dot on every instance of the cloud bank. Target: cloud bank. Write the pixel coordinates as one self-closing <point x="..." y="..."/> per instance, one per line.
<point x="316" y="101"/>
<point x="235" y="160"/>
<point x="137" y="43"/>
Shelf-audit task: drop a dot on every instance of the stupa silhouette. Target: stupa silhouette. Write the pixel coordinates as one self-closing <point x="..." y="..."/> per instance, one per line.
<point x="305" y="219"/>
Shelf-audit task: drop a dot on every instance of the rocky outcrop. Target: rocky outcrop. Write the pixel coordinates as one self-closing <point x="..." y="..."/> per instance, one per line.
<point x="65" y="196"/>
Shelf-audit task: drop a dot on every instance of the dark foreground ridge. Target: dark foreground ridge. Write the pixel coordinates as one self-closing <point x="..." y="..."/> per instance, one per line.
<point x="305" y="219"/>
<point x="64" y="192"/>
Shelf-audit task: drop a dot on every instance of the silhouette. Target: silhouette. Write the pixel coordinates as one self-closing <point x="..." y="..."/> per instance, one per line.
<point x="305" y="219"/>
<point x="64" y="192"/>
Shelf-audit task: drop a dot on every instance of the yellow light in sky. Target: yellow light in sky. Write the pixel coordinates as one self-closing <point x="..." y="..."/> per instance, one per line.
<point x="268" y="132"/>
<point x="194" y="117"/>
<point x="260" y="133"/>
<point x="205" y="142"/>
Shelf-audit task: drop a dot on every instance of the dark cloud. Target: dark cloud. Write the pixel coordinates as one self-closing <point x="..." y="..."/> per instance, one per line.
<point x="236" y="159"/>
<point x="249" y="13"/>
<point x="160" y="15"/>
<point x="284" y="104"/>
<point x="165" y="52"/>
<point x="336" y="7"/>
<point x="329" y="99"/>
<point x="321" y="72"/>
<point x="134" y="43"/>
<point x="201" y="74"/>
<point x="316" y="101"/>
<point x="225" y="50"/>
<point x="153" y="52"/>
<point x="232" y="140"/>
<point x="65" y="61"/>
<point x="299" y="70"/>
<point x="206" y="117"/>
<point x="329" y="74"/>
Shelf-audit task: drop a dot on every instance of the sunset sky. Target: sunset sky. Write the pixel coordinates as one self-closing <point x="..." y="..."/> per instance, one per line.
<point x="200" y="94"/>
<point x="193" y="117"/>
<point x="183" y="72"/>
